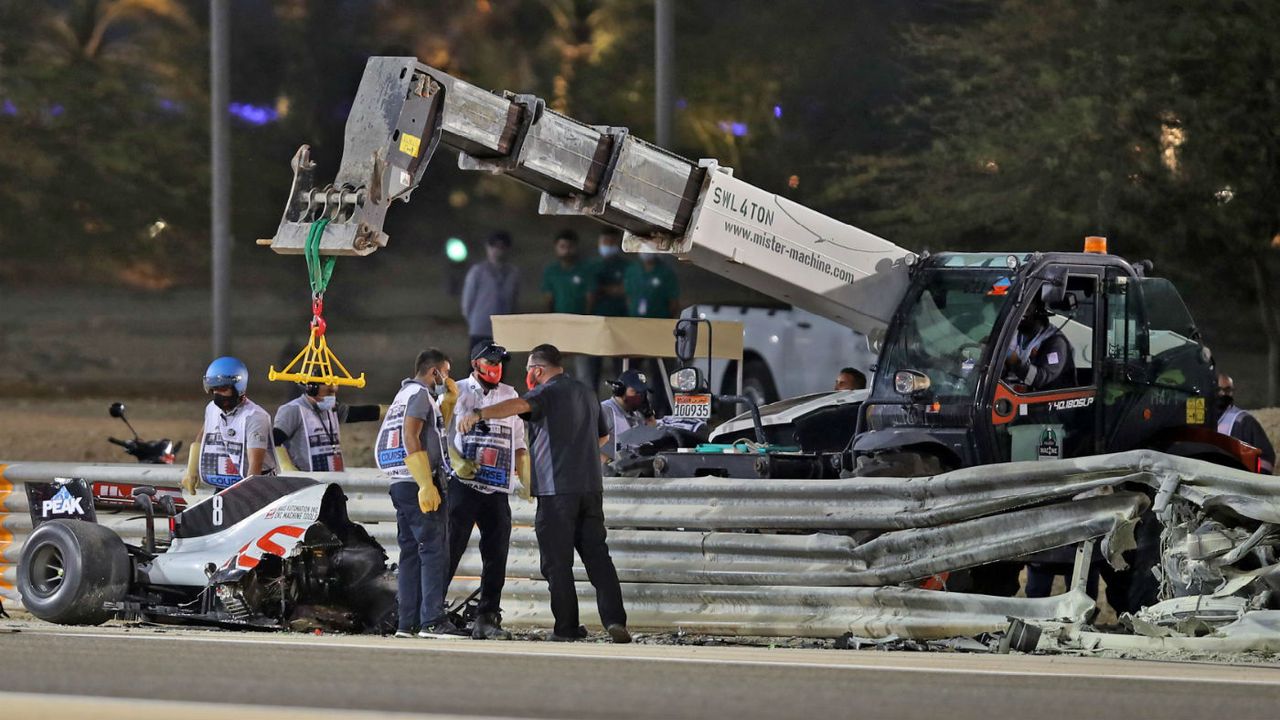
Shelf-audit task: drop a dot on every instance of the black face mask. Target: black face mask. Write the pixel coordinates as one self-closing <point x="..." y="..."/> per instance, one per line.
<point x="226" y="403"/>
<point x="1226" y="401"/>
<point x="1030" y="325"/>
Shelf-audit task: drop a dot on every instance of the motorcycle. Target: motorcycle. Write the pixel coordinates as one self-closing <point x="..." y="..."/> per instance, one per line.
<point x="156" y="452"/>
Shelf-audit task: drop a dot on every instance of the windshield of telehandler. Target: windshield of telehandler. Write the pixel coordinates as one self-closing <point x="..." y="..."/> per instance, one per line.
<point x="943" y="329"/>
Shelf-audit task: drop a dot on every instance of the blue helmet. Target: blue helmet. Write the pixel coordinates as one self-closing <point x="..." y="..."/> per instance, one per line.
<point x="226" y="372"/>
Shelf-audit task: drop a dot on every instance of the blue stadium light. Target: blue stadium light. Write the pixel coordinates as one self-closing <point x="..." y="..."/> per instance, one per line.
<point x="253" y="114"/>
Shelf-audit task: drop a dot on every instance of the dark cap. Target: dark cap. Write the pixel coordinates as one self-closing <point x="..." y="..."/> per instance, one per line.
<point x="489" y="350"/>
<point x="633" y="379"/>
<point x="499" y="237"/>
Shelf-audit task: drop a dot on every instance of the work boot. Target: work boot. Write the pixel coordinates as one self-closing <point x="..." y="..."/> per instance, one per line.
<point x="488" y="626"/>
<point x="619" y="633"/>
<point x="579" y="634"/>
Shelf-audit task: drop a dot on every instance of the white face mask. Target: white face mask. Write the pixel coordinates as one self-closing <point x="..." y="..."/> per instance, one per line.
<point x="609" y="250"/>
<point x="327" y="403"/>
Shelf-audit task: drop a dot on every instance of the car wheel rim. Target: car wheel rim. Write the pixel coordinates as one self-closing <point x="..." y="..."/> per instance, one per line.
<point x="47" y="570"/>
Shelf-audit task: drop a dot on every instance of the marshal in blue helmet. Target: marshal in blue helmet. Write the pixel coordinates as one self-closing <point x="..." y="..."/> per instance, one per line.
<point x="236" y="441"/>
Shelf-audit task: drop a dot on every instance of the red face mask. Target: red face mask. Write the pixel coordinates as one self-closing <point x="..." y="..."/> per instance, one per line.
<point x="529" y="379"/>
<point x="491" y="374"/>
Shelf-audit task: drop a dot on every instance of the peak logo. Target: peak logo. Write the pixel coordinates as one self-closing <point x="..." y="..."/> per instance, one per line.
<point x="68" y="498"/>
<point x="62" y="503"/>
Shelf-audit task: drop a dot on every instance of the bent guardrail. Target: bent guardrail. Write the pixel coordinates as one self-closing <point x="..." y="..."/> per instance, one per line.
<point x="806" y="556"/>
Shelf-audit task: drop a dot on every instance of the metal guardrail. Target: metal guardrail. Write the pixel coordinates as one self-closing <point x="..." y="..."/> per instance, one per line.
<point x="787" y="557"/>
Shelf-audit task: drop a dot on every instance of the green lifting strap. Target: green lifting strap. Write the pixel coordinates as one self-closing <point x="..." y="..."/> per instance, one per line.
<point x="319" y="273"/>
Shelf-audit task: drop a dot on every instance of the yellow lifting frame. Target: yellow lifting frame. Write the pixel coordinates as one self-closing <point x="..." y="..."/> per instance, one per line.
<point x="315" y="364"/>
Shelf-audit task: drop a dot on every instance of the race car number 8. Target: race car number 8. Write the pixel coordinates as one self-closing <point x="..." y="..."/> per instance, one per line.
<point x="217" y="510"/>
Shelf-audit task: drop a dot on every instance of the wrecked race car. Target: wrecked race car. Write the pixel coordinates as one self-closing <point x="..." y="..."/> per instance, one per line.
<point x="268" y="552"/>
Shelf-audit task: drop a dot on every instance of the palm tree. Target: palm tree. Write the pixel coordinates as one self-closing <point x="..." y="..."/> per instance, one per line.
<point x="121" y="33"/>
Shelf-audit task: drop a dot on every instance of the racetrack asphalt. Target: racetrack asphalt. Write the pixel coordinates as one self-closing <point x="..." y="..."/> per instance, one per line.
<point x="68" y="666"/>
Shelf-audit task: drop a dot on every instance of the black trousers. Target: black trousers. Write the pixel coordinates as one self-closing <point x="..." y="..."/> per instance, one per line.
<point x="1128" y="590"/>
<point x="564" y="523"/>
<point x="468" y="508"/>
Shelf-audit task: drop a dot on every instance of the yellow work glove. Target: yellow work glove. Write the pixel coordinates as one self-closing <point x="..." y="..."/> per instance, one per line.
<point x="462" y="467"/>
<point x="285" y="462"/>
<point x="449" y="400"/>
<point x="526" y="477"/>
<point x="420" y="468"/>
<point x="191" y="478"/>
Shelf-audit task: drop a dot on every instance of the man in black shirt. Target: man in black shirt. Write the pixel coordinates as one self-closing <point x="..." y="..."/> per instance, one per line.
<point x="567" y="433"/>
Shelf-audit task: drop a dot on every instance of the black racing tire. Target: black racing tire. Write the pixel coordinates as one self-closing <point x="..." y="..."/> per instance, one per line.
<point x="69" y="569"/>
<point x="757" y="382"/>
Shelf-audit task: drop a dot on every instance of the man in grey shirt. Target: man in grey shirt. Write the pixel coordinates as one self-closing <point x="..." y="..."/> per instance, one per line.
<point x="306" y="431"/>
<point x="410" y="450"/>
<point x="567" y="433"/>
<point x="491" y="288"/>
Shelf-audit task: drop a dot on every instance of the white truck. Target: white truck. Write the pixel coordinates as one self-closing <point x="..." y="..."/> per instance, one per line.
<point x="786" y="352"/>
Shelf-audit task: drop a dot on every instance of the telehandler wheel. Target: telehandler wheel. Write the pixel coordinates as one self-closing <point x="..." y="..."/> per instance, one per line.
<point x="900" y="464"/>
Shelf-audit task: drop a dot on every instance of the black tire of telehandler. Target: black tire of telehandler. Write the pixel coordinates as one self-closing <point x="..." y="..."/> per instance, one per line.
<point x="900" y="464"/>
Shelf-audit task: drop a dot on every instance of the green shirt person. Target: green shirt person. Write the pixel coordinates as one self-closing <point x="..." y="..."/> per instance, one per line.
<point x="608" y="293"/>
<point x="566" y="282"/>
<point x="652" y="288"/>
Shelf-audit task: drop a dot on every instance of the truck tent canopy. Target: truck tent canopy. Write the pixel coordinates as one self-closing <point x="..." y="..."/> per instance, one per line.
<point x="611" y="336"/>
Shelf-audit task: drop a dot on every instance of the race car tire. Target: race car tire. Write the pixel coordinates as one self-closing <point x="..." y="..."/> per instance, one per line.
<point x="69" y="569"/>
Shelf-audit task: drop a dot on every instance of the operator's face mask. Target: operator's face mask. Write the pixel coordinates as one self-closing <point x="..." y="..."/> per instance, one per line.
<point x="531" y="377"/>
<point x="488" y="372"/>
<point x="633" y="402"/>
<point x="1030" y="323"/>
<point x="328" y="402"/>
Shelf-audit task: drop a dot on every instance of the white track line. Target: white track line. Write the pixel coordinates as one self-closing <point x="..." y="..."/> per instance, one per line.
<point x="19" y="706"/>
<point x="621" y="653"/>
